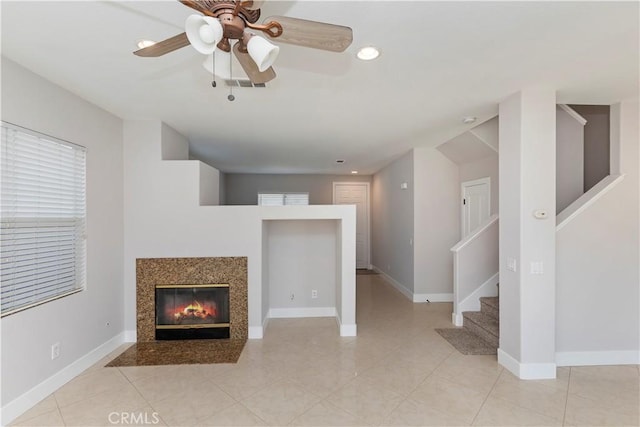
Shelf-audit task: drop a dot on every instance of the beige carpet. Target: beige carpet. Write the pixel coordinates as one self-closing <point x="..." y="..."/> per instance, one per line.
<point x="466" y="342"/>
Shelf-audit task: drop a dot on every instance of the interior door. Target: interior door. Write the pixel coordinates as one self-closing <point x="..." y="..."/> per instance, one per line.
<point x="356" y="193"/>
<point x="476" y="206"/>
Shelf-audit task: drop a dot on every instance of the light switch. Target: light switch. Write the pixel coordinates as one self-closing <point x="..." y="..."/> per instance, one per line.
<point x="511" y="264"/>
<point x="537" y="267"/>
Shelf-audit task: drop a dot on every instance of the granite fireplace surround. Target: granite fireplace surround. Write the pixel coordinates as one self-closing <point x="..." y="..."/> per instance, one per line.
<point x="187" y="271"/>
<point x="191" y="271"/>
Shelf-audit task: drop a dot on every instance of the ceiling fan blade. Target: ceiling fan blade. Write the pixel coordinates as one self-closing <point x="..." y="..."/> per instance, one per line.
<point x="318" y="35"/>
<point x="165" y="46"/>
<point x="251" y="68"/>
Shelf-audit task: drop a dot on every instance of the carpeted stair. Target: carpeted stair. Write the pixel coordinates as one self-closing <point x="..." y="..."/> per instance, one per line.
<point x="481" y="331"/>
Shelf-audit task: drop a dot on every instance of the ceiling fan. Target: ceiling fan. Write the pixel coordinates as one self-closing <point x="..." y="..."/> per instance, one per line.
<point x="223" y="21"/>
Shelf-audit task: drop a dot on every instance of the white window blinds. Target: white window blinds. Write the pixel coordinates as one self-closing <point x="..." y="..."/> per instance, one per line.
<point x="283" y="199"/>
<point x="43" y="216"/>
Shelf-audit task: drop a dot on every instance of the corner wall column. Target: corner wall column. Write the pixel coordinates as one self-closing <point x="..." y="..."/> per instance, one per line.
<point x="527" y="165"/>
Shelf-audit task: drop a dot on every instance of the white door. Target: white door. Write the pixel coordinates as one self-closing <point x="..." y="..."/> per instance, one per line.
<point x="476" y="204"/>
<point x="356" y="193"/>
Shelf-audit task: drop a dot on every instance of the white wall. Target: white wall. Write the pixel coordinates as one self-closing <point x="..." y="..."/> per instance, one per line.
<point x="301" y="259"/>
<point x="436" y="223"/>
<point x="392" y="222"/>
<point x="597" y="265"/>
<point x="482" y="168"/>
<point x="78" y="322"/>
<point x="569" y="159"/>
<point x="164" y="218"/>
<point x="527" y="129"/>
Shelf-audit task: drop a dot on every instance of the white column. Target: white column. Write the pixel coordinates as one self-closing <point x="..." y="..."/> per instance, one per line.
<point x="527" y="233"/>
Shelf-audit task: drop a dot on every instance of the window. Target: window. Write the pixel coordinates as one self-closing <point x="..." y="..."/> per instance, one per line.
<point x="283" y="199"/>
<point x="42" y="217"/>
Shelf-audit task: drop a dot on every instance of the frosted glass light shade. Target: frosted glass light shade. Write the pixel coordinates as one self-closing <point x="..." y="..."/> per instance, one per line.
<point x="203" y="32"/>
<point x="263" y="52"/>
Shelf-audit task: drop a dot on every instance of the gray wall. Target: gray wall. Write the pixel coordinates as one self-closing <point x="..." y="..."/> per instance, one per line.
<point x="243" y="189"/>
<point x="436" y="199"/>
<point x="596" y="142"/>
<point x="84" y="321"/>
<point x="569" y="159"/>
<point x="223" y="188"/>
<point x="392" y="221"/>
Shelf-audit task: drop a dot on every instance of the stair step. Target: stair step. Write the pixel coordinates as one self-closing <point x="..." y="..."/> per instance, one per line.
<point x="483" y="325"/>
<point x="490" y="306"/>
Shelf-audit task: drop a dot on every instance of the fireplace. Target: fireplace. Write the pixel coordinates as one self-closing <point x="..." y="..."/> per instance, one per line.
<point x="194" y="275"/>
<point x="192" y="311"/>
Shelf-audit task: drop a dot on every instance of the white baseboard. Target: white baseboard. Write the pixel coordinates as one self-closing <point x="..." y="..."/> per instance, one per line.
<point x="527" y="371"/>
<point x="432" y="297"/>
<point x="393" y="282"/>
<point x="412" y="296"/>
<point x="255" y="332"/>
<point x="278" y="313"/>
<point x="21" y="404"/>
<point x="346" y="330"/>
<point x="130" y="336"/>
<point x="594" y="358"/>
<point x="457" y="319"/>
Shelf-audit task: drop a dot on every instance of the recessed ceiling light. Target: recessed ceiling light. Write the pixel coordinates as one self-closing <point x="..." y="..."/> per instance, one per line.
<point x="354" y="172"/>
<point x="469" y="119"/>
<point x="145" y="43"/>
<point x="368" y="53"/>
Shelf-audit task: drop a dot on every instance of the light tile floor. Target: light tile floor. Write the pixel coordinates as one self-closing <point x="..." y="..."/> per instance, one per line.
<point x="397" y="372"/>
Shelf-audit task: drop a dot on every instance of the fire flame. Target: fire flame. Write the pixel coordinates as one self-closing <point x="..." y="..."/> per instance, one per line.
<point x="195" y="310"/>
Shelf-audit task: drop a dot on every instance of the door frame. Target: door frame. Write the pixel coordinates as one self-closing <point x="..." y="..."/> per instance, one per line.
<point x="486" y="180"/>
<point x="367" y="213"/>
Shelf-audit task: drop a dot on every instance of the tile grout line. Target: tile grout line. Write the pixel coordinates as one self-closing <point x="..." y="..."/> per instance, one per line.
<point x="405" y="398"/>
<point x="566" y="400"/>
<point x="487" y="396"/>
<point x="58" y="408"/>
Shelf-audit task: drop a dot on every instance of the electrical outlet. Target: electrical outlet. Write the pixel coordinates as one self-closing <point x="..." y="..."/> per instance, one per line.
<point x="292" y="296"/>
<point x="55" y="351"/>
<point x="314" y="293"/>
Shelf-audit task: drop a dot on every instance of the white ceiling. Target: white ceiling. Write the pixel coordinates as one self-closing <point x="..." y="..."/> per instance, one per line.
<point x="440" y="61"/>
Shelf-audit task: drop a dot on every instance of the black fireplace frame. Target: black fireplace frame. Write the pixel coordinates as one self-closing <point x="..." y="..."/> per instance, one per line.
<point x="216" y="329"/>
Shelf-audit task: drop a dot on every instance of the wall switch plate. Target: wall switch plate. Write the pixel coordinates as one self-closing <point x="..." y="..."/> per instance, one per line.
<point x="537" y="267"/>
<point x="314" y="293"/>
<point x="511" y="264"/>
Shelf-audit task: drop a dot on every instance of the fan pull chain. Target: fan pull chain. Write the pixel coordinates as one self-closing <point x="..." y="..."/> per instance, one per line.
<point x="213" y="69"/>
<point x="230" y="97"/>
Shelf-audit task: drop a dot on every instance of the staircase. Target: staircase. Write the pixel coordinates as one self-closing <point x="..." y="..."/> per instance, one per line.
<point x="481" y="331"/>
<point x="485" y="324"/>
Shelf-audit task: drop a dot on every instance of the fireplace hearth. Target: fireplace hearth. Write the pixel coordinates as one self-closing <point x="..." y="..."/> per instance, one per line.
<point x="192" y="311"/>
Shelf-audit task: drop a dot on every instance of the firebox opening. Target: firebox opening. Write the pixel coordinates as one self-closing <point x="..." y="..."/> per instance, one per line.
<point x="192" y="312"/>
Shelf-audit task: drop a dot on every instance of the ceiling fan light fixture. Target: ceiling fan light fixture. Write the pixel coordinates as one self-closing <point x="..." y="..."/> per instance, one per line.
<point x="203" y="32"/>
<point x="368" y="53"/>
<point x="222" y="60"/>
<point x="263" y="52"/>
